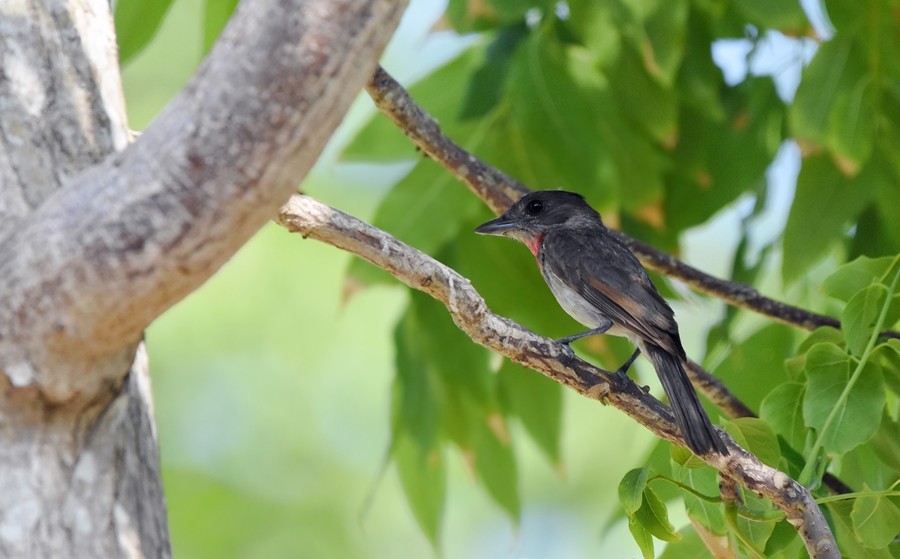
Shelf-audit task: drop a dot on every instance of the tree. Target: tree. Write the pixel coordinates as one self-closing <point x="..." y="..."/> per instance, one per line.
<point x="100" y="237"/>
<point x="620" y="101"/>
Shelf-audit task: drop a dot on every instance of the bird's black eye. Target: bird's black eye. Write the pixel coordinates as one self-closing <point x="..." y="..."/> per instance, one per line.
<point x="534" y="207"/>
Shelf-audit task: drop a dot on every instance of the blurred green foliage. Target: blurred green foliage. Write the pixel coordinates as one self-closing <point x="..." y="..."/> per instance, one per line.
<point x="622" y="101"/>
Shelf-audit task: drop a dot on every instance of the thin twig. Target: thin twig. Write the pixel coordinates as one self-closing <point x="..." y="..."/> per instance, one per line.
<point x="470" y="313"/>
<point x="499" y="191"/>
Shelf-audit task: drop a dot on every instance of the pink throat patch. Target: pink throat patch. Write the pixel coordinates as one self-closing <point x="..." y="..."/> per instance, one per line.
<point x="534" y="244"/>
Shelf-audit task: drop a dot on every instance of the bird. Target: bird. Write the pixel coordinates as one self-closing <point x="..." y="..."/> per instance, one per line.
<point x="598" y="281"/>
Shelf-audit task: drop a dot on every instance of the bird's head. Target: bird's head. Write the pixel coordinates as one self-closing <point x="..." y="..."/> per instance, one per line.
<point x="539" y="212"/>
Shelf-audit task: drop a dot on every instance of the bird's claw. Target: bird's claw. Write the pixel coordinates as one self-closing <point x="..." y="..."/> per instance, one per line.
<point x="568" y="349"/>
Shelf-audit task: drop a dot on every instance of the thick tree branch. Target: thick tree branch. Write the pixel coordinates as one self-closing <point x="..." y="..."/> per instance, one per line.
<point x="498" y="191"/>
<point x="470" y="313"/>
<point x="94" y="245"/>
<point x="133" y="235"/>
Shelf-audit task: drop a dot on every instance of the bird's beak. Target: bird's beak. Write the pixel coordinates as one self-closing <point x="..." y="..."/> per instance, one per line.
<point x="497" y="226"/>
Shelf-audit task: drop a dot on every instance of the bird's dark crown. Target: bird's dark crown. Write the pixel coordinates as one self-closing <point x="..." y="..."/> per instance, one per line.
<point x="544" y="209"/>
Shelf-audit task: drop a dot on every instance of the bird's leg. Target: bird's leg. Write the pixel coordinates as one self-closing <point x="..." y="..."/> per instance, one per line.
<point x="623" y="370"/>
<point x="598" y="330"/>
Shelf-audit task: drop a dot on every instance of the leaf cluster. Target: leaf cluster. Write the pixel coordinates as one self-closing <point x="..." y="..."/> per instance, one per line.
<point x="622" y="102"/>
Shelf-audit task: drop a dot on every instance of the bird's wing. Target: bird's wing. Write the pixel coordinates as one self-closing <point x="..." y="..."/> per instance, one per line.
<point x="612" y="279"/>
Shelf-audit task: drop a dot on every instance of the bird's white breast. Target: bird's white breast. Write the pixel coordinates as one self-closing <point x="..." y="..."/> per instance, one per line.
<point x="578" y="307"/>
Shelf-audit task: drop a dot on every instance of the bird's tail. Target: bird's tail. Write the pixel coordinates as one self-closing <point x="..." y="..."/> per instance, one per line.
<point x="695" y="426"/>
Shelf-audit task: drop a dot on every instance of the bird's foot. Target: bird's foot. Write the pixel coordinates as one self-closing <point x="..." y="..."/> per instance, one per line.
<point x="564" y="342"/>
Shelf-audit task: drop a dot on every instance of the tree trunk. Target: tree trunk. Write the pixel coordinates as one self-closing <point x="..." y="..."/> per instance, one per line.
<point x="98" y="238"/>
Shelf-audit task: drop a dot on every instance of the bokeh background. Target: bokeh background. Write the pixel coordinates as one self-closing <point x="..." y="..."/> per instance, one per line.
<point x="274" y="382"/>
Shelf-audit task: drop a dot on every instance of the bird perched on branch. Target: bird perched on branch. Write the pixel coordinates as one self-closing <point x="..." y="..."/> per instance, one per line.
<point x="601" y="284"/>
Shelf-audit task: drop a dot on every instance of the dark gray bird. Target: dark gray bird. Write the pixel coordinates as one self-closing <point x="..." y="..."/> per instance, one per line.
<point x="601" y="284"/>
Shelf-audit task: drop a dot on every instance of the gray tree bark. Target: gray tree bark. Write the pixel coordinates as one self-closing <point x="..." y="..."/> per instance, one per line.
<point x="98" y="237"/>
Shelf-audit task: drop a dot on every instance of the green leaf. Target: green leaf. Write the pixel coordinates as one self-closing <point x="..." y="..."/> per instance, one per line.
<point x="690" y="547"/>
<point x="514" y="10"/>
<point x="891" y="359"/>
<point x="427" y="208"/>
<point x="564" y="130"/>
<point x="631" y="489"/>
<point x="774" y="14"/>
<point x="886" y="442"/>
<point x="783" y="535"/>
<point x="848" y="540"/>
<point x="489" y="81"/>
<point x="833" y="107"/>
<point x="466" y="16"/>
<point x="462" y="364"/>
<point x="820" y="335"/>
<point x="853" y="277"/>
<point x="137" y="21"/>
<point x="704" y="480"/>
<point x="783" y="410"/>
<point x="662" y="45"/>
<point x="721" y="157"/>
<point x="381" y="141"/>
<point x="654" y="517"/>
<point x="537" y="401"/>
<point x="642" y="537"/>
<point x="876" y="520"/>
<point x="423" y="478"/>
<point x="417" y="406"/>
<point x="756" y="436"/>
<point x="756" y="364"/>
<point x="756" y="531"/>
<point x="496" y="464"/>
<point x="824" y="203"/>
<point x="854" y="417"/>
<point x="643" y="100"/>
<point x="216" y="15"/>
<point x="596" y="26"/>
<point x="860" y="315"/>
